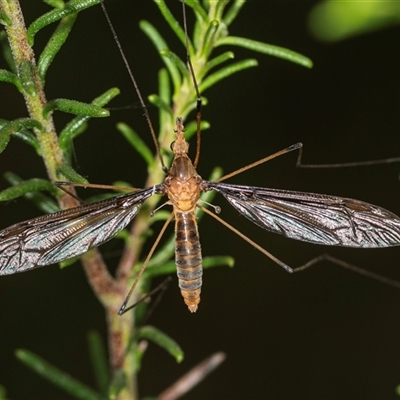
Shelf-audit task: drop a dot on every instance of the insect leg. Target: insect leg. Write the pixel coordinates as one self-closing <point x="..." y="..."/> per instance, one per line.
<point x="161" y="288"/>
<point x="293" y="147"/>
<point x="248" y="240"/>
<point x="322" y="257"/>
<point x="123" y="308"/>
<point x="351" y="267"/>
<point x="344" y="165"/>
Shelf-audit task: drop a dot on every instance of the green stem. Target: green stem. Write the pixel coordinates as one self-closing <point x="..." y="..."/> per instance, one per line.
<point x="34" y="95"/>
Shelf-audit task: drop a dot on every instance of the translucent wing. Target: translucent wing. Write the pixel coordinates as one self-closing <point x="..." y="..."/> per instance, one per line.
<point x="315" y="218"/>
<point x="56" y="237"/>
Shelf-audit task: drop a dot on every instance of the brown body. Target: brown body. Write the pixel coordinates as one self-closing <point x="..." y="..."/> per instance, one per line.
<point x="183" y="187"/>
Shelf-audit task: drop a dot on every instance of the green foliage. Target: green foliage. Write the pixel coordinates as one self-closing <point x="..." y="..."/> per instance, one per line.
<point x="61" y="11"/>
<point x="57" y="377"/>
<point x="23" y="187"/>
<point x="332" y="21"/>
<point x="10" y="77"/>
<point x="30" y="190"/>
<point x="20" y="126"/>
<point x="176" y="97"/>
<point x="136" y="142"/>
<point x="26" y="73"/>
<point x="155" y="335"/>
<point x="23" y="134"/>
<point x="98" y="357"/>
<point x="3" y="393"/>
<point x="55" y="43"/>
<point x="75" y="107"/>
<point x="78" y="125"/>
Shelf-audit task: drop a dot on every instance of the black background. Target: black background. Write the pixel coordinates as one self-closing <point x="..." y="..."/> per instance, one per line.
<point x="324" y="333"/>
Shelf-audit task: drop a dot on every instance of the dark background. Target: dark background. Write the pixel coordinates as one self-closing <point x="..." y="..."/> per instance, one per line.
<point x="324" y="333"/>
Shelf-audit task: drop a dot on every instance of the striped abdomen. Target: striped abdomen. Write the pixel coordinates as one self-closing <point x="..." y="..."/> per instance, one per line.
<point x="188" y="258"/>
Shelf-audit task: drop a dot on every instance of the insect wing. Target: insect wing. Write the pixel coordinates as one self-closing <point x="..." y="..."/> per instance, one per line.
<point x="315" y="218"/>
<point x="56" y="237"/>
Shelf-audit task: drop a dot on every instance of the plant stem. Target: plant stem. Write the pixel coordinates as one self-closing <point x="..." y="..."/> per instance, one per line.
<point x="34" y="95"/>
<point x="108" y="290"/>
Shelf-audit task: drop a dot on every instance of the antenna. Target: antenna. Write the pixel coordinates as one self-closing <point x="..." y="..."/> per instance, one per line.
<point x="139" y="94"/>
<point x="198" y="102"/>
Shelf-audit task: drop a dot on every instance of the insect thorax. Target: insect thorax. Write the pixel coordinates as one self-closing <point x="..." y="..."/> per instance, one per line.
<point x="183" y="184"/>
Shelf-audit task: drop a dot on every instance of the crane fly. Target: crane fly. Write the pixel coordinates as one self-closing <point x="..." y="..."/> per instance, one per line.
<point x="309" y="217"/>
